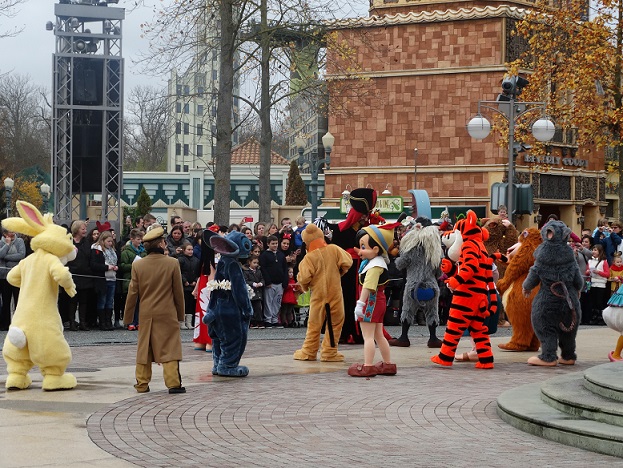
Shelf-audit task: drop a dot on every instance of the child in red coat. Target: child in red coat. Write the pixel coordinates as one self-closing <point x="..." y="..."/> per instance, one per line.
<point x="288" y="300"/>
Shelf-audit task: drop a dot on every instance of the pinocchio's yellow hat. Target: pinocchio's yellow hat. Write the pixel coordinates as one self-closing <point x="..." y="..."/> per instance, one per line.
<point x="383" y="235"/>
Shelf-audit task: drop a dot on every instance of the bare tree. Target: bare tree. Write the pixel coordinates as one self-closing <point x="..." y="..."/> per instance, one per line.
<point x="8" y="10"/>
<point x="146" y="130"/>
<point x="254" y="38"/>
<point x="24" y="124"/>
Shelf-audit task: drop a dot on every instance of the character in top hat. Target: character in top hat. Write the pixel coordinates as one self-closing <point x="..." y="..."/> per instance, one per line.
<point x="344" y="234"/>
<point x="374" y="243"/>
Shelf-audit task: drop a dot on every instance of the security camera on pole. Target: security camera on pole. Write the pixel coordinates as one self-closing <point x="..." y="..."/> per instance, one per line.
<point x="508" y="106"/>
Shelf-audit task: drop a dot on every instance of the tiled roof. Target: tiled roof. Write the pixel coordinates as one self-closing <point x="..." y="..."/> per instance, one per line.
<point x="431" y="16"/>
<point x="249" y="153"/>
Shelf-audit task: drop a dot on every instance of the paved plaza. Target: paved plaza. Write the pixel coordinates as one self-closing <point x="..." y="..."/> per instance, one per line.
<point x="286" y="412"/>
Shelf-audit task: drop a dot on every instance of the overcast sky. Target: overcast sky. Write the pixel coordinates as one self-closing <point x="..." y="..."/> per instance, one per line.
<point x="30" y="52"/>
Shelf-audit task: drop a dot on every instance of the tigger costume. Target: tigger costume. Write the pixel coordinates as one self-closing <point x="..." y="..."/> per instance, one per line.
<point x="474" y="296"/>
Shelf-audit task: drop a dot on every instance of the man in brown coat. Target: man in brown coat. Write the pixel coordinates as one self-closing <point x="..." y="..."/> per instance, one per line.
<point x="157" y="283"/>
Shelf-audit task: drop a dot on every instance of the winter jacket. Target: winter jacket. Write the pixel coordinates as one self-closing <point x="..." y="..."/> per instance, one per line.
<point x="251" y="277"/>
<point x="274" y="268"/>
<point x="11" y="254"/>
<point x="128" y="254"/>
<point x="190" y="268"/>
<point x="80" y="267"/>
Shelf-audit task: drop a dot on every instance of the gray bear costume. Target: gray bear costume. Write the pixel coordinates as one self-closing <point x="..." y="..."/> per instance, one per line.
<point x="420" y="256"/>
<point x="556" y="309"/>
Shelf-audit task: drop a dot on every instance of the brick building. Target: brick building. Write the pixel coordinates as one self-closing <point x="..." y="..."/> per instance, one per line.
<point x="427" y="65"/>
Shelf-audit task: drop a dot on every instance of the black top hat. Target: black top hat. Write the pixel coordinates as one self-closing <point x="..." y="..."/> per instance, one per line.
<point x="363" y="200"/>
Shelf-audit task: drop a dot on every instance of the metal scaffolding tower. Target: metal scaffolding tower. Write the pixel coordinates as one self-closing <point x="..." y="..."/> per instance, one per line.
<point x="87" y="109"/>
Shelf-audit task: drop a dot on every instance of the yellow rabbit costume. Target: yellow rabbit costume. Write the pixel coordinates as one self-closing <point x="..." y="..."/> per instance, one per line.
<point x="35" y="336"/>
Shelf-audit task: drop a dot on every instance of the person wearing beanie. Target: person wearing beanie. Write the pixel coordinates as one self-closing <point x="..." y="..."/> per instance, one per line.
<point x="374" y="243"/>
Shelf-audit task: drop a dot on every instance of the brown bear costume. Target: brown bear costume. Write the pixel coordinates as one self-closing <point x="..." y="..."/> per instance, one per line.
<point x="501" y="237"/>
<point x="518" y="308"/>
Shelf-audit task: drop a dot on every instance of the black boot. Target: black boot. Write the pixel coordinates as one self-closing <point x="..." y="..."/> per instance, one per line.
<point x="108" y="320"/>
<point x="433" y="341"/>
<point x="403" y="340"/>
<point x="82" y="314"/>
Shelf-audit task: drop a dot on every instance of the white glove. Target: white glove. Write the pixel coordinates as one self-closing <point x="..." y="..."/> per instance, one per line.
<point x="359" y="310"/>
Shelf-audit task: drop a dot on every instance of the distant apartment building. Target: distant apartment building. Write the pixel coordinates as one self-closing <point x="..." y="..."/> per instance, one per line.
<point x="193" y="106"/>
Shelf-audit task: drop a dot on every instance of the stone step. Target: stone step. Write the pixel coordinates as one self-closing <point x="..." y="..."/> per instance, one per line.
<point x="523" y="408"/>
<point x="568" y="394"/>
<point x="606" y="380"/>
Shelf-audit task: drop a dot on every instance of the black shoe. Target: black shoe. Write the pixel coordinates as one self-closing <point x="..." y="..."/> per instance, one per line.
<point x="177" y="390"/>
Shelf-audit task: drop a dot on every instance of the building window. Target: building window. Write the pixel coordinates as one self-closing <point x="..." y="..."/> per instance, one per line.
<point x="214" y="75"/>
<point x="186" y="108"/>
<point x="185" y="167"/>
<point x="200" y="110"/>
<point x="186" y="128"/>
<point x="213" y="111"/>
<point x="214" y="55"/>
<point x="178" y="168"/>
<point x="200" y="150"/>
<point x="186" y="150"/>
<point x="186" y="90"/>
<point x="178" y="149"/>
<point x="200" y="90"/>
<point x="178" y="128"/>
<point x="178" y="89"/>
<point x="178" y="107"/>
<point x="213" y="129"/>
<point x="199" y="129"/>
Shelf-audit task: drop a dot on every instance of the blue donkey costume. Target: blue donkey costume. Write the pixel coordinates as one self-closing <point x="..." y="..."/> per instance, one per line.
<point x="229" y="310"/>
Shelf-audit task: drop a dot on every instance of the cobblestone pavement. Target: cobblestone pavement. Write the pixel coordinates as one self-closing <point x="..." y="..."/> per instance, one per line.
<point x="424" y="416"/>
<point x="300" y="414"/>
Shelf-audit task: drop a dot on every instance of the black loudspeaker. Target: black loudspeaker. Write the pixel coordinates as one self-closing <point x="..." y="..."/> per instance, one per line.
<point x="87" y="152"/>
<point x="88" y="82"/>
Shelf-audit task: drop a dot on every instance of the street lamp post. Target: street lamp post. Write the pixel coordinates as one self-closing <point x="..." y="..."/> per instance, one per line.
<point x="314" y="165"/>
<point x="506" y="105"/>
<point x="8" y="186"/>
<point x="45" y="195"/>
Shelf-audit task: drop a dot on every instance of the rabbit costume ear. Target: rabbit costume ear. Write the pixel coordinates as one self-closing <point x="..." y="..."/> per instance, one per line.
<point x="31" y="222"/>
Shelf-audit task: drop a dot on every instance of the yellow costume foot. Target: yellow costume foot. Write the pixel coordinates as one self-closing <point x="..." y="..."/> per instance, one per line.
<point x="337" y="357"/>
<point x="18" y="382"/>
<point x="59" y="382"/>
<point x="299" y="355"/>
